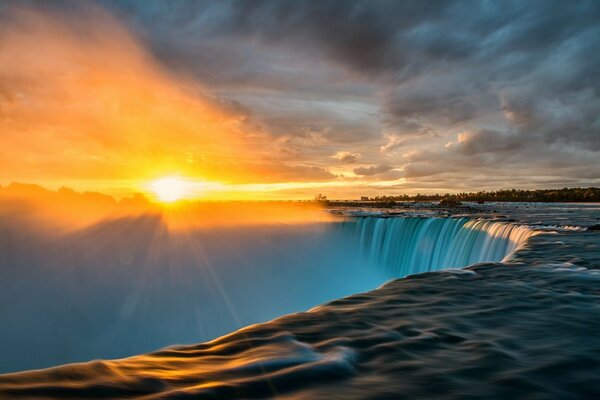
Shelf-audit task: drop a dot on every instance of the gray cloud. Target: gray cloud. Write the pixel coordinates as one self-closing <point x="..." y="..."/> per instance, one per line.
<point x="346" y="157"/>
<point x="372" y="170"/>
<point x="511" y="85"/>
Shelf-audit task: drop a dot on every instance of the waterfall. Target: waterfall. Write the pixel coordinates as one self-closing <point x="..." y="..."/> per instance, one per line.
<point x="412" y="245"/>
<point x="184" y="287"/>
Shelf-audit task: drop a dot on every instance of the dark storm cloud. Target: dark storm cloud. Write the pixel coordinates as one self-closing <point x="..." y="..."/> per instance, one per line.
<point x="372" y="37"/>
<point x="367" y="36"/>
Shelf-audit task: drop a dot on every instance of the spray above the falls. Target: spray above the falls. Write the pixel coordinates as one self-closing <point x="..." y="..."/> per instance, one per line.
<point x="407" y="246"/>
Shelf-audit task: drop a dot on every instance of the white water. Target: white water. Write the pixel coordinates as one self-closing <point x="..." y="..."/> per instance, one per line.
<point x="407" y="246"/>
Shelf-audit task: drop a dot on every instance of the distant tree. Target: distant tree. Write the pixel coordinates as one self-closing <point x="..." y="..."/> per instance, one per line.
<point x="450" y="201"/>
<point x="320" y="198"/>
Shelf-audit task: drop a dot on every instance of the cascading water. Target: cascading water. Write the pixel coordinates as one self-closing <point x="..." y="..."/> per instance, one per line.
<point x="185" y="287"/>
<point x="407" y="246"/>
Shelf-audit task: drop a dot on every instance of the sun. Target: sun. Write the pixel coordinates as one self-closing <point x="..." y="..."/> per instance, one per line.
<point x="169" y="189"/>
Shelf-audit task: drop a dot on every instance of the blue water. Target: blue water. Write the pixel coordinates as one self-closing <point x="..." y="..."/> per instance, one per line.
<point x="129" y="286"/>
<point x="522" y="322"/>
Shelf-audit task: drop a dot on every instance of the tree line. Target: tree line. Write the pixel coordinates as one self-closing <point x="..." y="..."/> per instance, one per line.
<point x="590" y="194"/>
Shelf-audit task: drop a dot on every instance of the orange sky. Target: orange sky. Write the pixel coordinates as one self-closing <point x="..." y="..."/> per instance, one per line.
<point x="87" y="107"/>
<point x="96" y="108"/>
<point x="93" y="100"/>
<point x="68" y="210"/>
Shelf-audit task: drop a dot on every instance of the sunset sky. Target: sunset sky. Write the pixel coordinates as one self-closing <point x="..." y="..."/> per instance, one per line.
<point x="287" y="99"/>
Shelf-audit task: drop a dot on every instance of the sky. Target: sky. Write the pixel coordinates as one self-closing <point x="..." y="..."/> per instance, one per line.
<point x="286" y="99"/>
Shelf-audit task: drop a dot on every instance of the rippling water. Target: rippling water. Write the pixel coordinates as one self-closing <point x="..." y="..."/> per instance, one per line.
<point x="526" y="327"/>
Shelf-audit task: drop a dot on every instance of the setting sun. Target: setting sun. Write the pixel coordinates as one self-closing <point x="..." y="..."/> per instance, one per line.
<point x="169" y="189"/>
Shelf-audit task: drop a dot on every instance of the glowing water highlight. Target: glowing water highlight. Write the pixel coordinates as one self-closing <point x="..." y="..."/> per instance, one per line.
<point x="405" y="246"/>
